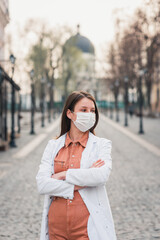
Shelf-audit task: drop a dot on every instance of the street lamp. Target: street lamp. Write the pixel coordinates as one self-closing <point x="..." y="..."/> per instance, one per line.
<point x="1" y="76"/>
<point x="3" y="102"/>
<point x="49" y="100"/>
<point x="19" y="111"/>
<point x="42" y="99"/>
<point x="126" y="101"/>
<point x="157" y="81"/>
<point x="141" y="73"/>
<point x="12" y="60"/>
<point x="32" y="102"/>
<point x="116" y="99"/>
<point x="12" y="141"/>
<point x="1" y="114"/>
<point x="111" y="112"/>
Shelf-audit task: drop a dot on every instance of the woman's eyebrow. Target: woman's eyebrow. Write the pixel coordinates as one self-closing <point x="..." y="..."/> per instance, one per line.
<point x="87" y="107"/>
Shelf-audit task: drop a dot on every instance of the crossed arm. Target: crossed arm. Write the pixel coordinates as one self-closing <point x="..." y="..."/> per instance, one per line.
<point x="74" y="179"/>
<point x="62" y="175"/>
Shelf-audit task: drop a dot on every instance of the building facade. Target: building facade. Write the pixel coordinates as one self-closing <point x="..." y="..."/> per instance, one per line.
<point x="84" y="71"/>
<point x="9" y="90"/>
<point x="4" y="20"/>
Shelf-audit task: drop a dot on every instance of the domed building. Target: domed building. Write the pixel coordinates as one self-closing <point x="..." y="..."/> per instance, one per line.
<point x="84" y="79"/>
<point x="82" y="43"/>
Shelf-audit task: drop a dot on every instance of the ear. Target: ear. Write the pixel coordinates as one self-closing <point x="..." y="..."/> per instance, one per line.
<point x="68" y="113"/>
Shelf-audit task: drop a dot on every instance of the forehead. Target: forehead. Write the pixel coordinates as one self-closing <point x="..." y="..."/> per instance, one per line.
<point x="85" y="102"/>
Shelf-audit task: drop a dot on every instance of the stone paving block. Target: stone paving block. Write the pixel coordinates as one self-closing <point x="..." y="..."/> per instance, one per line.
<point x="133" y="190"/>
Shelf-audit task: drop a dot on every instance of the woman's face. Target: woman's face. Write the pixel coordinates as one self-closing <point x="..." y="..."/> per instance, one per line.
<point x="84" y="105"/>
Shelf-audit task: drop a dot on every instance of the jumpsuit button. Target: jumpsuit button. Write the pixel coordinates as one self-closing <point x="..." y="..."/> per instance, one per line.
<point x="70" y="201"/>
<point x="71" y="165"/>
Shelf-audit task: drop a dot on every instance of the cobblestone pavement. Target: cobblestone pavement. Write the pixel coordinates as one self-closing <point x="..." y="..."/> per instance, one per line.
<point x="25" y="120"/>
<point x="133" y="190"/>
<point x="151" y="127"/>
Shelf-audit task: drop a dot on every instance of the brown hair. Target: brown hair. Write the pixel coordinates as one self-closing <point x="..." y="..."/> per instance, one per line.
<point x="71" y="101"/>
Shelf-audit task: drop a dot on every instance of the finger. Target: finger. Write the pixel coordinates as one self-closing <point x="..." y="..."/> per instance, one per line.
<point x="100" y="164"/>
<point x="98" y="161"/>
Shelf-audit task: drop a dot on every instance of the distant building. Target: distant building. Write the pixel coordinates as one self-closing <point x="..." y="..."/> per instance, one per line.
<point x="155" y="91"/>
<point x="85" y="76"/>
<point x="7" y="87"/>
<point x="4" y="20"/>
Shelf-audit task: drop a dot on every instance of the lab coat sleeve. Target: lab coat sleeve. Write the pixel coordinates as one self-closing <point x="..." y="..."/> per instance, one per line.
<point x="48" y="185"/>
<point x="93" y="176"/>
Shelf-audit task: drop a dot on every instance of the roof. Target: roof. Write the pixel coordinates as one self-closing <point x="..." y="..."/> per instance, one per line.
<point x="81" y="42"/>
<point x="5" y="76"/>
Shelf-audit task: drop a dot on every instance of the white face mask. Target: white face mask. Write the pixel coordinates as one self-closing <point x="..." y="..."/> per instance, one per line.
<point x="85" y="121"/>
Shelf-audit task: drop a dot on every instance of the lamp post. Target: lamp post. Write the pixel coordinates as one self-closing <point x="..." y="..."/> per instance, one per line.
<point x="126" y="101"/>
<point x="12" y="60"/>
<point x="19" y="116"/>
<point x="111" y="112"/>
<point x="52" y="97"/>
<point x="42" y="100"/>
<point x="12" y="141"/>
<point x="5" y="111"/>
<point x="157" y="81"/>
<point x="1" y="103"/>
<point x="52" y="84"/>
<point x="116" y="99"/>
<point x="49" y="101"/>
<point x="1" y="77"/>
<point x="141" y="73"/>
<point x="32" y="132"/>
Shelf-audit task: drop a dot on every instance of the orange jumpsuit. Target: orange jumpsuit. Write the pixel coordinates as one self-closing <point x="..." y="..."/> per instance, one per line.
<point x="67" y="219"/>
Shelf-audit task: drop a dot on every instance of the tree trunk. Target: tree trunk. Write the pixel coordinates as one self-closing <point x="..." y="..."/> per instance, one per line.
<point x="66" y="85"/>
<point x="149" y="88"/>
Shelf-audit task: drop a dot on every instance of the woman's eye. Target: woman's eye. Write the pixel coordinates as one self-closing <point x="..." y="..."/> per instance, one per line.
<point x="84" y="110"/>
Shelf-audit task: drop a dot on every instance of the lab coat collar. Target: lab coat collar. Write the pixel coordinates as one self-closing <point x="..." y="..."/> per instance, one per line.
<point x="61" y="141"/>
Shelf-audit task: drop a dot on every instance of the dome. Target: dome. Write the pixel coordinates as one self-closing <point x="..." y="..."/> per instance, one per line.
<point x="81" y="42"/>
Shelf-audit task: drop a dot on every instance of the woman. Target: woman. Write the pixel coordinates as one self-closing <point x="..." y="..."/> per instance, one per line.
<point x="72" y="175"/>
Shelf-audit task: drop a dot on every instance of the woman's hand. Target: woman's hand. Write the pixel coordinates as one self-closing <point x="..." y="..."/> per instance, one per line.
<point x="62" y="175"/>
<point x="59" y="176"/>
<point x="97" y="164"/>
<point x="78" y="187"/>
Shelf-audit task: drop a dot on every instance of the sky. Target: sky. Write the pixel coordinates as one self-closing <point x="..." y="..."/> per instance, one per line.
<point x="96" y="19"/>
<point x="94" y="16"/>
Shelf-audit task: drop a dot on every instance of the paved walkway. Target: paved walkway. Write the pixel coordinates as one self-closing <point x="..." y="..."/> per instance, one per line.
<point x="135" y="137"/>
<point x="151" y="127"/>
<point x="25" y="120"/>
<point x="133" y="187"/>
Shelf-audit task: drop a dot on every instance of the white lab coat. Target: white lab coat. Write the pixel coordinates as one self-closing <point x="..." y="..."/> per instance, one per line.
<point x="100" y="222"/>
